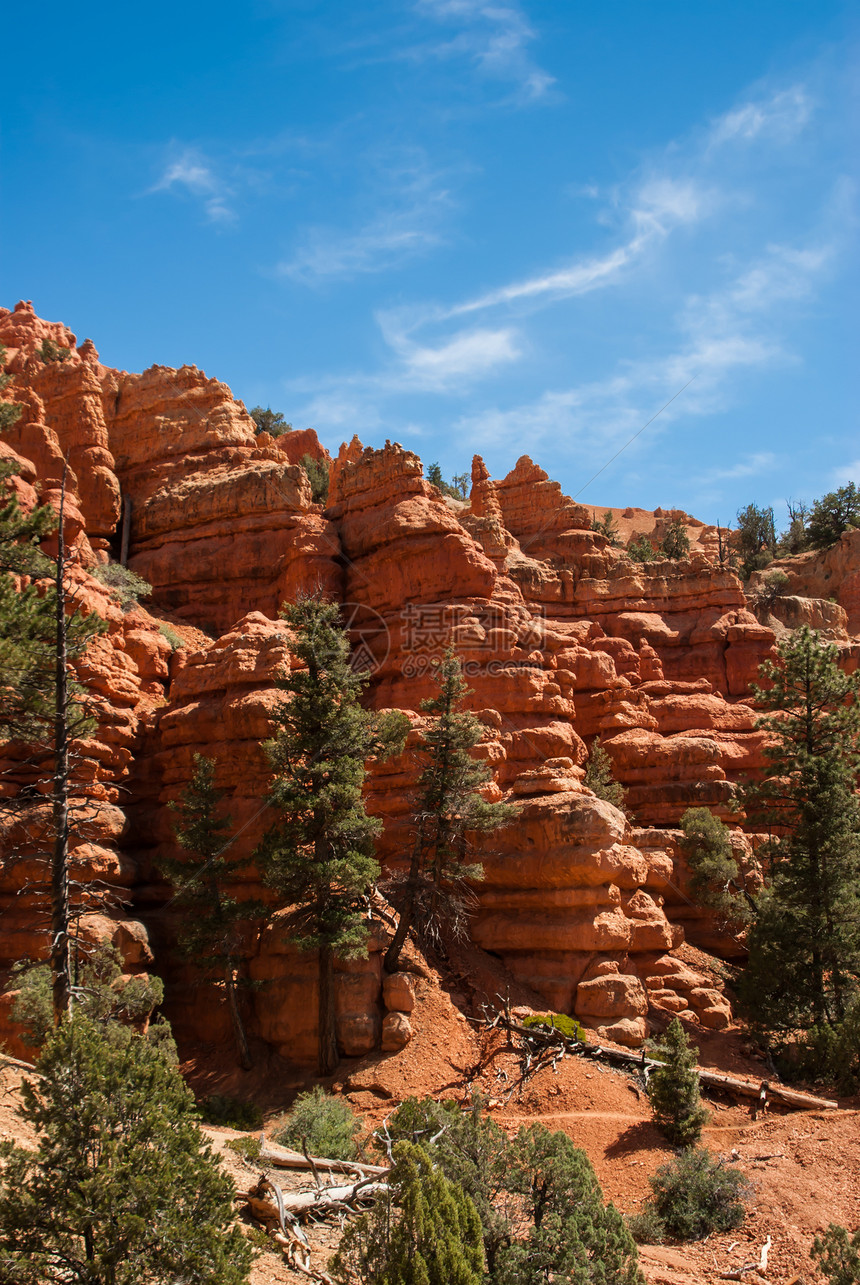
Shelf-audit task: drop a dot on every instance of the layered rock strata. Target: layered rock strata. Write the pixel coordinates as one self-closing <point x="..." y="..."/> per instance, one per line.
<point x="562" y="637"/>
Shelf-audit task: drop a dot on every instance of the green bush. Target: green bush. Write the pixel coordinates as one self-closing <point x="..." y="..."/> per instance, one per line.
<point x="567" y="1026"/>
<point x="676" y="542"/>
<point x="838" y="1255"/>
<point x="125" y="585"/>
<point x="830" y="1054"/>
<point x="177" y="642"/>
<point x="606" y="526"/>
<point x="318" y="476"/>
<point x="673" y="1088"/>
<point x="773" y="586"/>
<point x="599" y="776"/>
<point x="51" y="351"/>
<point x="248" y="1148"/>
<point x="716" y="880"/>
<point x="754" y="539"/>
<point x="230" y="1113"/>
<point x="694" y="1195"/>
<point x="270" y="421"/>
<point x="321" y="1125"/>
<point x="641" y="549"/>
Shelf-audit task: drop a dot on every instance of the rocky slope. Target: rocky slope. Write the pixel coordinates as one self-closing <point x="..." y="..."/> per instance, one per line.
<point x="562" y="638"/>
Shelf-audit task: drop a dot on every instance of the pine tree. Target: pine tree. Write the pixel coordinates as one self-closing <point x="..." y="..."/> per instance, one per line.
<point x="838" y="1254"/>
<point x="42" y="704"/>
<point x="804" y="946"/>
<point x="716" y="880"/>
<point x="449" y="808"/>
<point x="122" y="1188"/>
<point x="673" y="1089"/>
<point x="318" y="856"/>
<point x="211" y="930"/>
<point x="424" y="1231"/>
<point x="599" y="776"/>
<point x="573" y="1237"/>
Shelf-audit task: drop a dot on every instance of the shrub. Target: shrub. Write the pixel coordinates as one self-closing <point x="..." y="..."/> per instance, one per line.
<point x="248" y="1148"/>
<point x="423" y="1231"/>
<point x="641" y="549"/>
<point x="830" y="1054"/>
<point x="838" y="1255"/>
<point x="51" y="351"/>
<point x="126" y="586"/>
<point x="321" y="1125"/>
<point x="270" y="421"/>
<point x="673" y="1089"/>
<point x="676" y="542"/>
<point x="318" y="476"/>
<point x="230" y="1113"/>
<point x="177" y="642"/>
<point x="599" y="776"/>
<point x="647" y="1228"/>
<point x="694" y="1195"/>
<point x="606" y="526"/>
<point x="567" y="1026"/>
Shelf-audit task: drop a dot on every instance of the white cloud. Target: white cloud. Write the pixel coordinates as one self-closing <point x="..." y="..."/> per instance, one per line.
<point x="779" y="118"/>
<point x="466" y="356"/>
<point x="494" y="36"/>
<point x="193" y="172"/>
<point x="750" y="466"/>
<point x="414" y="200"/>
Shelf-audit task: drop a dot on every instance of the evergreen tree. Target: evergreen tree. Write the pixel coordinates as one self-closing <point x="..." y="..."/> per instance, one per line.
<point x="754" y="539"/>
<point x="121" y="1188"/>
<point x="449" y="808"/>
<point x="676" y="542"/>
<point x="318" y="856"/>
<point x="423" y="1231"/>
<point x="212" y="924"/>
<point x="834" y="513"/>
<point x="641" y="550"/>
<point x="574" y="1239"/>
<point x="269" y="421"/>
<point x="804" y="946"/>
<point x="599" y="776"/>
<point x="607" y="526"/>
<point x="318" y="476"/>
<point x="716" y="880"/>
<point x="838" y="1254"/>
<point x="673" y="1089"/>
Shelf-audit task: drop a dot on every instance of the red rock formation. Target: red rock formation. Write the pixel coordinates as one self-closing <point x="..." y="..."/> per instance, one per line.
<point x="562" y="638"/>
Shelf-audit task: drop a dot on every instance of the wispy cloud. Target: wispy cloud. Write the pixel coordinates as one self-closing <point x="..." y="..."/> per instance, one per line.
<point x="493" y="36"/>
<point x="777" y="117"/>
<point x="415" y="200"/>
<point x="192" y="172"/>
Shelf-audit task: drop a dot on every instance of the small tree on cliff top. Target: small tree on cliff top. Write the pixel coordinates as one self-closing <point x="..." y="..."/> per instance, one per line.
<point x="318" y="855"/>
<point x="449" y="808"/>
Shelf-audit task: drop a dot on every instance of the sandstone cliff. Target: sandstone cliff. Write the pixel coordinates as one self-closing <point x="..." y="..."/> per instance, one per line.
<point x="562" y="639"/>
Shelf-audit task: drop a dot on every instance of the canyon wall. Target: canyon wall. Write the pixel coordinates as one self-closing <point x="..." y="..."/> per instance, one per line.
<point x="562" y="637"/>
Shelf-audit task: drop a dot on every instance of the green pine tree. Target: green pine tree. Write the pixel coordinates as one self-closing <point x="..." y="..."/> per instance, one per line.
<point x="599" y="776"/>
<point x="716" y="880"/>
<point x="121" y="1188"/>
<point x="804" y="945"/>
<point x="676" y="543"/>
<point x="423" y="1231"/>
<point x="573" y="1237"/>
<point x="673" y="1089"/>
<point x="319" y="854"/>
<point x="213" y="923"/>
<point x="838" y="1254"/>
<point x="449" y="809"/>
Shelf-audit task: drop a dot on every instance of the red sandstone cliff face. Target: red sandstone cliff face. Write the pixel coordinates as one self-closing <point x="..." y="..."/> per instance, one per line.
<point x="562" y="639"/>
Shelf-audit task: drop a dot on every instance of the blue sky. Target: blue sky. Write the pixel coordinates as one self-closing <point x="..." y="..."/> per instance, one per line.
<point x="503" y="226"/>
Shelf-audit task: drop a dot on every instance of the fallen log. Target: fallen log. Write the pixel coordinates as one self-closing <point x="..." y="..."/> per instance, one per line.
<point x="300" y="1203"/>
<point x="284" y="1158"/>
<point x="711" y="1079"/>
